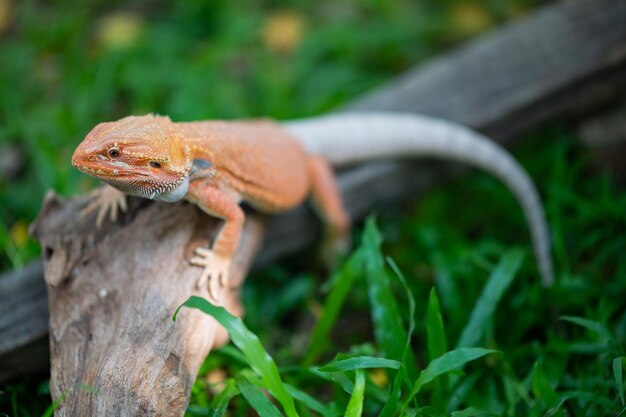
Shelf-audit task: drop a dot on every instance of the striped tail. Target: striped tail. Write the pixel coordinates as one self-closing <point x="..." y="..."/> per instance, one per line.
<point x="347" y="138"/>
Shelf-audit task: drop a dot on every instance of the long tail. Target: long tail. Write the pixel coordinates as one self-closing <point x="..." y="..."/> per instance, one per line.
<point x="354" y="137"/>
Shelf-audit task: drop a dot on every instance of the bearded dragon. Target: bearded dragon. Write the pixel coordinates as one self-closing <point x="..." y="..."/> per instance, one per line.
<point x="275" y="166"/>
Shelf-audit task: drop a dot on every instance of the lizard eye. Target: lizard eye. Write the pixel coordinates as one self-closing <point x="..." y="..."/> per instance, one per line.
<point x="114" y="152"/>
<point x="154" y="164"/>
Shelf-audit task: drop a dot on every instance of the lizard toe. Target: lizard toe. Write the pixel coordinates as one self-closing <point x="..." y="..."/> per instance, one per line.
<point x="206" y="252"/>
<point x="215" y="274"/>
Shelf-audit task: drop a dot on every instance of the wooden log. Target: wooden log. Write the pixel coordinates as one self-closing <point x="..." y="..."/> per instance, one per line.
<point x="23" y="322"/>
<point x="512" y="98"/>
<point x="112" y="292"/>
<point x="563" y="60"/>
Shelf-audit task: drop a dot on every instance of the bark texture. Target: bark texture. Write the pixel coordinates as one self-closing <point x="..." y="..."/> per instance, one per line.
<point x="111" y="293"/>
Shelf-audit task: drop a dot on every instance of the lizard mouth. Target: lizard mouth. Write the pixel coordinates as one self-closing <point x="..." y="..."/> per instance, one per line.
<point x="104" y="169"/>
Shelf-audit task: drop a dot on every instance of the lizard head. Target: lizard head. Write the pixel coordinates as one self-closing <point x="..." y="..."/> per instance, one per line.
<point x="139" y="155"/>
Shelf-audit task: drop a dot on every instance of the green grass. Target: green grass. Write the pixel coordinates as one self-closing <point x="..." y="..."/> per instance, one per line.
<point x="406" y="326"/>
<point x="348" y="368"/>
<point x="544" y="369"/>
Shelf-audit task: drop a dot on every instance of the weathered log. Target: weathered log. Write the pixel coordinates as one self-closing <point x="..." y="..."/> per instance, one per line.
<point x="112" y="292"/>
<point x="563" y="60"/>
<point x="23" y="322"/>
<point x="502" y="99"/>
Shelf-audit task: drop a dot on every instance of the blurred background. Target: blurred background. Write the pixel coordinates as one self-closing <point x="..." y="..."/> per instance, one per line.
<point x="66" y="66"/>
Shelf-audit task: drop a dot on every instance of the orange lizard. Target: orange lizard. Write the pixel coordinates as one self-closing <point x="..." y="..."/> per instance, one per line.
<point x="275" y="166"/>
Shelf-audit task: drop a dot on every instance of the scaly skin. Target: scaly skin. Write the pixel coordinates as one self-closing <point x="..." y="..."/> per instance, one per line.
<point x="215" y="165"/>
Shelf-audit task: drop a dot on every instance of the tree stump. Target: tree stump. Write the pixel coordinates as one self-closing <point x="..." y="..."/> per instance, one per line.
<point x="114" y="348"/>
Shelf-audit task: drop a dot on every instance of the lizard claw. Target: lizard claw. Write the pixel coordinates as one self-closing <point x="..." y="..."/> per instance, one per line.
<point x="215" y="272"/>
<point x="106" y="200"/>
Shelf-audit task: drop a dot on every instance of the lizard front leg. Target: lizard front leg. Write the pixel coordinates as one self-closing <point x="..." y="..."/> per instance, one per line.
<point x="216" y="260"/>
<point x="105" y="199"/>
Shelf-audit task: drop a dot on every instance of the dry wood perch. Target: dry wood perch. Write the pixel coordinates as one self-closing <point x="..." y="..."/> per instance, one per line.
<point x="112" y="292"/>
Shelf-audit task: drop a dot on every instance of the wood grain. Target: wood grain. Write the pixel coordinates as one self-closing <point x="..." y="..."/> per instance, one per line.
<point x="112" y="292"/>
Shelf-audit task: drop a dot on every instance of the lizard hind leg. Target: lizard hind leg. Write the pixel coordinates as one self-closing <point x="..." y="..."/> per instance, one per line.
<point x="328" y="203"/>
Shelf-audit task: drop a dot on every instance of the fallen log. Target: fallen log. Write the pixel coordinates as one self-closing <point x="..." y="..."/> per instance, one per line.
<point x="564" y="60"/>
<point x="23" y="322"/>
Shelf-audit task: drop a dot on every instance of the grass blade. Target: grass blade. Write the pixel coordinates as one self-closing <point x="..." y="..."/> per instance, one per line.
<point x="359" y="362"/>
<point x="437" y="342"/>
<point x="586" y="396"/>
<point x="220" y="402"/>
<point x="470" y="412"/>
<point x="258" y="359"/>
<point x="600" y="329"/>
<point x="409" y="297"/>
<point x="429" y="411"/>
<point x="391" y="405"/>
<point x="387" y="320"/>
<point x="338" y="378"/>
<point x="437" y="346"/>
<point x="447" y="362"/>
<point x="541" y="387"/>
<point x="259" y="402"/>
<point x="594" y="326"/>
<point x="342" y="283"/>
<point x="355" y="405"/>
<point x="55" y="404"/>
<point x="618" y="374"/>
<point x="498" y="282"/>
<point x="312" y="403"/>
